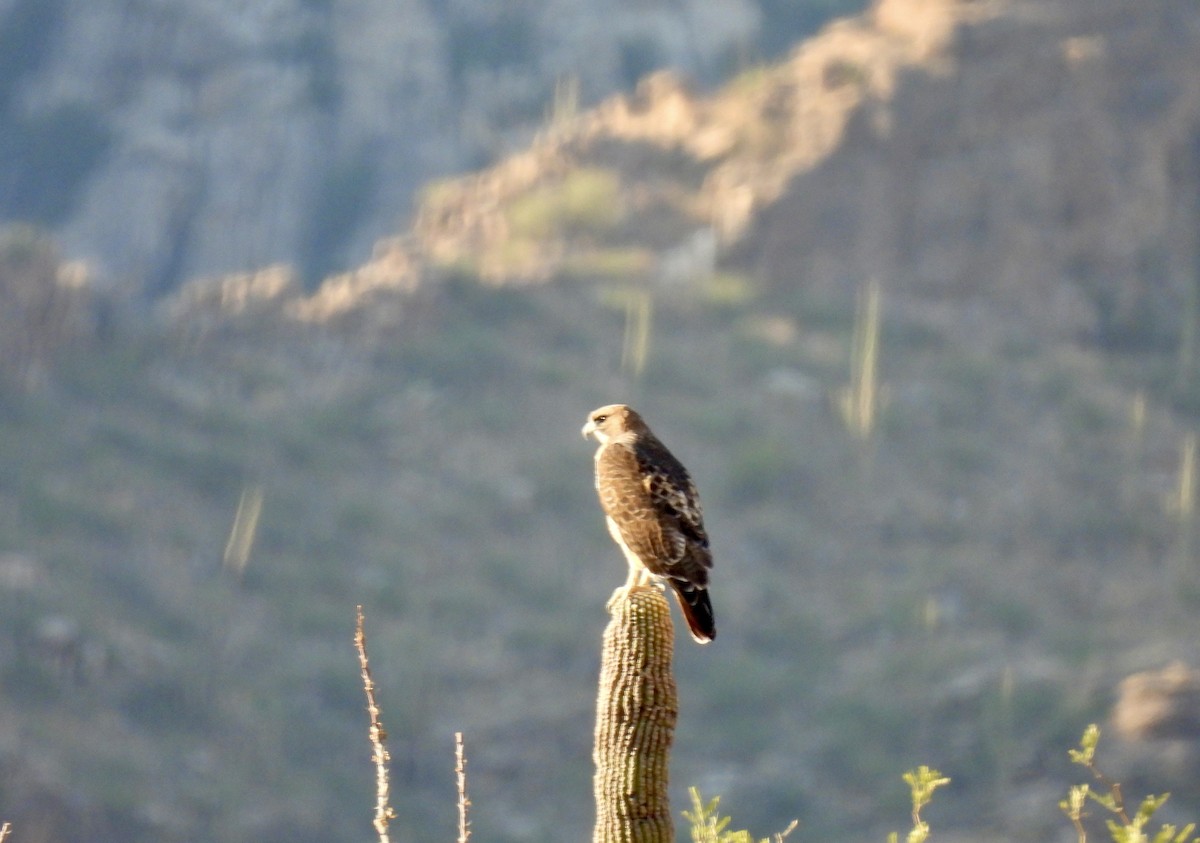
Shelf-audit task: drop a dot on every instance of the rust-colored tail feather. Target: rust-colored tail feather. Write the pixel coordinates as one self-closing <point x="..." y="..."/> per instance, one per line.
<point x="697" y="610"/>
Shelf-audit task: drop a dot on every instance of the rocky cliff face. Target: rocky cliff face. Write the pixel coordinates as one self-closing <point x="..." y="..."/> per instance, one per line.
<point x="1044" y="159"/>
<point x="165" y="139"/>
<point x="1041" y="156"/>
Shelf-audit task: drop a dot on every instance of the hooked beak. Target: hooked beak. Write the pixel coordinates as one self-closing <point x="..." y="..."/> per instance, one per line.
<point x="588" y="429"/>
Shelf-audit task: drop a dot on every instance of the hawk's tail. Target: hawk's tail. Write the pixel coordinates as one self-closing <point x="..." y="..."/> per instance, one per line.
<point x="697" y="610"/>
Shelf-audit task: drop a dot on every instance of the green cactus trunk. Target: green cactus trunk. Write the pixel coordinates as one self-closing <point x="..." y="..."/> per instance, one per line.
<point x="635" y="721"/>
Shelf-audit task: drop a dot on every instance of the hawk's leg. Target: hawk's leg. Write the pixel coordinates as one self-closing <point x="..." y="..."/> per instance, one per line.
<point x="631" y="582"/>
<point x="638" y="577"/>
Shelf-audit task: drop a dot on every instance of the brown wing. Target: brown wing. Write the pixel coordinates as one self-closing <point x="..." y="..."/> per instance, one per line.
<point x="653" y="501"/>
<point x="625" y="498"/>
<point x="677" y="506"/>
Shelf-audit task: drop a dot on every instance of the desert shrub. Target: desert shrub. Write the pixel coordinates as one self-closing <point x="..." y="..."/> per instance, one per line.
<point x="587" y="201"/>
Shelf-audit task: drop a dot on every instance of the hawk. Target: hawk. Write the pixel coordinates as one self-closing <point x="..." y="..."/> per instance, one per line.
<point x="653" y="513"/>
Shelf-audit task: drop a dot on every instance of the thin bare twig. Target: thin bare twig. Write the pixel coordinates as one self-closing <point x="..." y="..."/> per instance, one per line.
<point x="782" y="834"/>
<point x="4" y="830"/>
<point x="460" y="770"/>
<point x="377" y="734"/>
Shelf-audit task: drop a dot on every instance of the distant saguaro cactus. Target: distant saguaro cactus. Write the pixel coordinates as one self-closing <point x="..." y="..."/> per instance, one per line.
<point x="859" y="401"/>
<point x="44" y="303"/>
<point x="636" y="711"/>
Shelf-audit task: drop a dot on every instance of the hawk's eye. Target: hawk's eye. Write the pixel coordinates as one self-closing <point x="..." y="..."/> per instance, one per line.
<point x="600" y="419"/>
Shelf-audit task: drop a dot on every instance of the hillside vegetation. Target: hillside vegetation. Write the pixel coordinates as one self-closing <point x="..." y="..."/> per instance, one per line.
<point x="943" y="447"/>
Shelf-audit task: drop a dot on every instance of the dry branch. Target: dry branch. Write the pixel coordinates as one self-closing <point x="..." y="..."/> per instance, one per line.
<point x="460" y="771"/>
<point x="377" y="734"/>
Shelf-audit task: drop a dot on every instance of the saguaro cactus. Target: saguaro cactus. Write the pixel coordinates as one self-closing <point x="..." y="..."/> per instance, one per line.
<point x="635" y="722"/>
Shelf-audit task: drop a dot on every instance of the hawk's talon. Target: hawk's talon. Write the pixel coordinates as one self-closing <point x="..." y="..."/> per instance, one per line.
<point x="618" y="595"/>
<point x="623" y="592"/>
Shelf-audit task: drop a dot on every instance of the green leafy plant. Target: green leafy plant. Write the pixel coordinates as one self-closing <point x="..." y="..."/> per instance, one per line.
<point x="708" y="826"/>
<point x="1122" y="828"/>
<point x="922" y="782"/>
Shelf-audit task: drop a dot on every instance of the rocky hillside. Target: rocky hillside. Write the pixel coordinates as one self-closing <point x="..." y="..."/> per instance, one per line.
<point x="1044" y="160"/>
<point x="165" y="139"/>
<point x="1038" y="156"/>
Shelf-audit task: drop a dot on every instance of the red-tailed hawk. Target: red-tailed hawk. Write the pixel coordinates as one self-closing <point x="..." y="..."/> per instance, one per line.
<point x="653" y="513"/>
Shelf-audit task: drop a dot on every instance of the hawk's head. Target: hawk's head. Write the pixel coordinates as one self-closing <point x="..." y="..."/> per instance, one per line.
<point x="609" y="422"/>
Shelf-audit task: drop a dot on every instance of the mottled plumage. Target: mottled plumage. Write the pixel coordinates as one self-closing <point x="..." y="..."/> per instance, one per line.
<point x="653" y="512"/>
